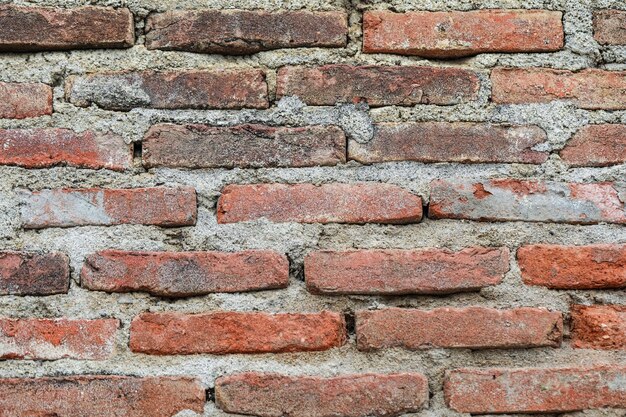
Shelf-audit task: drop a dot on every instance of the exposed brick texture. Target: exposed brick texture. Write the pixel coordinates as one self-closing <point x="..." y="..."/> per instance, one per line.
<point x="26" y="273"/>
<point x="599" y="327"/>
<point x="596" y="146"/>
<point x="609" y="27"/>
<point x="24" y="100"/>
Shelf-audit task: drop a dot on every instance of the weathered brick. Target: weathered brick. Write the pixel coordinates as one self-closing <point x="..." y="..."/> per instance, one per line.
<point x="544" y="390"/>
<point x="609" y="27"/>
<point x="573" y="267"/>
<point x="597" y="146"/>
<point x="48" y="339"/>
<point x="244" y="146"/>
<point x="43" y="148"/>
<point x="25" y="29"/>
<point x="214" y="89"/>
<point x="378" y="85"/>
<point x="599" y="327"/>
<point x="424" y="271"/>
<point x="24" y="100"/>
<point x="327" y="203"/>
<point x="235" y="332"/>
<point x="450" y="142"/>
<point x="24" y="273"/>
<point x="159" y="206"/>
<point x="183" y="274"/>
<point x="88" y="396"/>
<point x="526" y="200"/>
<point x="592" y="89"/>
<point x="273" y="395"/>
<point x="240" y="32"/>
<point x="457" y="34"/>
<point x="471" y="327"/>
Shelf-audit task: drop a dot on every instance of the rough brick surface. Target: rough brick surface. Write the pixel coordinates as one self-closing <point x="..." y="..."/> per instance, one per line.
<point x="593" y="89"/>
<point x="183" y="274"/>
<point x="273" y="395"/>
<point x="47" y="29"/>
<point x="327" y="203"/>
<point x="597" y="146"/>
<point x="243" y="146"/>
<point x="239" y="32"/>
<point x="471" y="327"/>
<point x="484" y="391"/>
<point x="454" y="142"/>
<point x="526" y="200"/>
<point x="609" y="27"/>
<point x="88" y="396"/>
<point x="457" y="34"/>
<point x="43" y="148"/>
<point x="573" y="267"/>
<point x="599" y="327"/>
<point x="24" y="100"/>
<point x="425" y="271"/>
<point x="24" y="273"/>
<point x="377" y="85"/>
<point x="235" y="332"/>
<point x="214" y="89"/>
<point x="57" y="338"/>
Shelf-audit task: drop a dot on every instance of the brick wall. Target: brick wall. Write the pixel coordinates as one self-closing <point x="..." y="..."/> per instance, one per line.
<point x="313" y="208"/>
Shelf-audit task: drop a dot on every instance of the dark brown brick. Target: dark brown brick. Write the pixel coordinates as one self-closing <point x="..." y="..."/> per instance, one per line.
<point x="24" y="273"/>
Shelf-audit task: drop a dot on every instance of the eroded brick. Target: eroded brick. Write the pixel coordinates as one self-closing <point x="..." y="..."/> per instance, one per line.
<point x="609" y="27"/>
<point x="599" y="327"/>
<point x="24" y="100"/>
<point x="597" y="146"/>
<point x="25" y="273"/>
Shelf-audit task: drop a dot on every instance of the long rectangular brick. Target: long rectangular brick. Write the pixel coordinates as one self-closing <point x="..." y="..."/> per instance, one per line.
<point x="193" y="89"/>
<point x="471" y="327"/>
<point x="377" y="85"/>
<point x="90" y="395"/>
<point x="526" y="200"/>
<point x="361" y="395"/>
<point x="573" y="267"/>
<point x="158" y="206"/>
<point x="592" y="89"/>
<point x="235" y="332"/>
<point x="450" y="142"/>
<point x="26" y="29"/>
<point x="24" y="100"/>
<point x="326" y="203"/>
<point x="240" y="32"/>
<point x="599" y="327"/>
<point x="596" y="146"/>
<point x="457" y="34"/>
<point x="243" y="146"/>
<point x="609" y="27"/>
<point x="43" y="148"/>
<point x="48" y="339"/>
<point x="423" y="271"/>
<point x="183" y="274"/>
<point x="25" y="273"/>
<point x="534" y="390"/>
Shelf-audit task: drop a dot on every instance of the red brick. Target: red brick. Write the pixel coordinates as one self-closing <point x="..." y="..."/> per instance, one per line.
<point x="378" y="85"/>
<point x="609" y="27"/>
<point x="24" y="273"/>
<point x="457" y="34"/>
<point x="240" y="32"/>
<point x="159" y="206"/>
<point x="471" y="327"/>
<point x="24" y="100"/>
<point x="424" y="271"/>
<point x="597" y="146"/>
<point x="592" y="89"/>
<point x="88" y="396"/>
<point x="271" y="395"/>
<point x="450" y="142"/>
<point x="327" y="203"/>
<point x="43" y="148"/>
<point x="542" y="390"/>
<point x="215" y="89"/>
<point x="599" y="327"/>
<point x="25" y="29"/>
<point x="183" y="274"/>
<point x="244" y="146"/>
<point x="573" y="267"/>
<point x="50" y="339"/>
<point x="235" y="332"/>
<point x="526" y="200"/>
